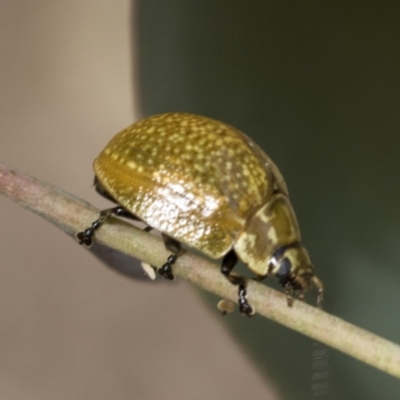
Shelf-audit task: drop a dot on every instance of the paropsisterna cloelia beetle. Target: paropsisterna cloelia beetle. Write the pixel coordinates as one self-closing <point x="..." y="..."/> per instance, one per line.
<point x="207" y="185"/>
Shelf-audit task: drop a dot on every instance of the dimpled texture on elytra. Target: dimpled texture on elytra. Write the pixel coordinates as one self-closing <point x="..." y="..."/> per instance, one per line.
<point x="193" y="178"/>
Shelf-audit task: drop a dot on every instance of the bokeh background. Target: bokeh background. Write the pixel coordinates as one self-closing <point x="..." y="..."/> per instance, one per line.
<point x="315" y="83"/>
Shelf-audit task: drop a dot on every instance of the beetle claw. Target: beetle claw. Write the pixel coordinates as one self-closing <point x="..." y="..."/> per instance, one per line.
<point x="85" y="237"/>
<point x="166" y="269"/>
<point x="244" y="306"/>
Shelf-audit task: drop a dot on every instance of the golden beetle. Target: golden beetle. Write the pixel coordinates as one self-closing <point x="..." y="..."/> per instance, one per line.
<point x="205" y="184"/>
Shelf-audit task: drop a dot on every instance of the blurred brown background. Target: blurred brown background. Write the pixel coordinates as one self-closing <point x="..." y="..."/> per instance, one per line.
<point x="70" y="327"/>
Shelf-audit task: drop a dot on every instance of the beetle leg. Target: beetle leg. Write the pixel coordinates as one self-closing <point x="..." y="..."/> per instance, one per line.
<point x="228" y="263"/>
<point x="244" y="306"/>
<point x="86" y="237"/>
<point x="288" y="290"/>
<point x="175" y="247"/>
<point x="121" y="212"/>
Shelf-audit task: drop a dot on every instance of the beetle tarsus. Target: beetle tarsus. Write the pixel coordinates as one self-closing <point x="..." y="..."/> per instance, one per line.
<point x="227" y="266"/>
<point x="166" y="269"/>
<point x="289" y="300"/>
<point x="175" y="247"/>
<point x="244" y="306"/>
<point x="85" y="237"/>
<point x="288" y="290"/>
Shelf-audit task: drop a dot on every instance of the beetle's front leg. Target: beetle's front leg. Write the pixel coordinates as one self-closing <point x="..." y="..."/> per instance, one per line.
<point x="175" y="248"/>
<point x="228" y="263"/>
<point x="86" y="237"/>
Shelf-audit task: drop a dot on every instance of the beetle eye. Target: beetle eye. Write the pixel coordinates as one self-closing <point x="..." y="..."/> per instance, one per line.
<point x="284" y="269"/>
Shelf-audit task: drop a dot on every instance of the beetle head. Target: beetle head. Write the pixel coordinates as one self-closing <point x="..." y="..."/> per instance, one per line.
<point x="292" y="266"/>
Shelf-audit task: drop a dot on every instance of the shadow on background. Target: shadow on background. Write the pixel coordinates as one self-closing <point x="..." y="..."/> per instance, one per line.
<point x="318" y="86"/>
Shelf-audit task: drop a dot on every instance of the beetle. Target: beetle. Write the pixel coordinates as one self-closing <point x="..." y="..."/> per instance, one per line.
<point x="207" y="185"/>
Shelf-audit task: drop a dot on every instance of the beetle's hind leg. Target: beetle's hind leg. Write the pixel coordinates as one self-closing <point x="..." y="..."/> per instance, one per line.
<point x="175" y="248"/>
<point x="228" y="263"/>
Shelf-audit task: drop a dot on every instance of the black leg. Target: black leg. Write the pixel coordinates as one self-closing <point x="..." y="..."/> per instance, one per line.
<point x="244" y="306"/>
<point x="175" y="247"/>
<point x="86" y="237"/>
<point x="228" y="263"/>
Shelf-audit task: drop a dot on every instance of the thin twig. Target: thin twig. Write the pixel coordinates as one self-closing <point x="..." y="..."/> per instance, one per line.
<point x="72" y="215"/>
